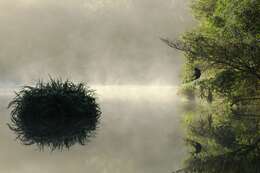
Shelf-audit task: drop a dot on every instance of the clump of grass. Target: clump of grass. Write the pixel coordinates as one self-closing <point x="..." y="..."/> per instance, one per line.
<point x="56" y="114"/>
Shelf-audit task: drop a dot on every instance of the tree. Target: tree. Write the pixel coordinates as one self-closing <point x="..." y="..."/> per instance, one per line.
<point x="225" y="47"/>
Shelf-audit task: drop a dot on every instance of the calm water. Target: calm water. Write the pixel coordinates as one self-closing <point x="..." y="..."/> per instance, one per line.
<point x="140" y="132"/>
<point x="98" y="42"/>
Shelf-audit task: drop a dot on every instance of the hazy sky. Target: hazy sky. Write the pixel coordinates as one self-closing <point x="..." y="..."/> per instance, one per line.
<point x="98" y="41"/>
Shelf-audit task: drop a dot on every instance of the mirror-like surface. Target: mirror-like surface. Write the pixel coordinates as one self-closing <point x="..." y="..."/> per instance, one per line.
<point x="139" y="132"/>
<point x="105" y="43"/>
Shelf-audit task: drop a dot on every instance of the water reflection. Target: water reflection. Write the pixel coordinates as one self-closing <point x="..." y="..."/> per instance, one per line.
<point x="139" y="132"/>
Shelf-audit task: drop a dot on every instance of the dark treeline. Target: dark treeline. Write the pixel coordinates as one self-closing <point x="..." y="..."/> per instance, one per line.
<point x="222" y="79"/>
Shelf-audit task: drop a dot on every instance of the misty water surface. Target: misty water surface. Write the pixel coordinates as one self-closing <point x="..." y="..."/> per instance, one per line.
<point x="114" y="46"/>
<point x="140" y="131"/>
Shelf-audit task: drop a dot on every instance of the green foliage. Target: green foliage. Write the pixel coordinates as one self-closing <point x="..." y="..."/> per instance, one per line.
<point x="226" y="121"/>
<point x="203" y="8"/>
<point x="55" y="114"/>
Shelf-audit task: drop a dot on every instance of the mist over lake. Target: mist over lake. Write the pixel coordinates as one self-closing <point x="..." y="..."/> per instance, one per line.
<point x="136" y="134"/>
<point x="100" y="42"/>
<point x="114" y="46"/>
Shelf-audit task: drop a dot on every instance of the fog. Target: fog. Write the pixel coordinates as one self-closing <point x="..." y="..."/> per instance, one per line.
<point x="114" y="46"/>
<point x="97" y="41"/>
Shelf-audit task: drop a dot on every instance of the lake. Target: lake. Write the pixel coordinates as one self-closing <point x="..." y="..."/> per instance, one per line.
<point x="140" y="132"/>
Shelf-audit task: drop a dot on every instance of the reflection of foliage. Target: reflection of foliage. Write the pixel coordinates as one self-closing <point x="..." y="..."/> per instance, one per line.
<point x="56" y="114"/>
<point x="188" y="92"/>
<point x="244" y="159"/>
<point x="225" y="136"/>
<point x="226" y="120"/>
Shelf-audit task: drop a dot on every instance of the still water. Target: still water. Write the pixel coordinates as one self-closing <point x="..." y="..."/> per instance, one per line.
<point x="140" y="132"/>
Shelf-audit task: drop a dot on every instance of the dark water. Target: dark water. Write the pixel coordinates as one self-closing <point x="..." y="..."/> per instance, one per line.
<point x="140" y="132"/>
